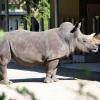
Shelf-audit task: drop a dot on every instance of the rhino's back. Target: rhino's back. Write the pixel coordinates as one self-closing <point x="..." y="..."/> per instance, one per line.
<point x="35" y="46"/>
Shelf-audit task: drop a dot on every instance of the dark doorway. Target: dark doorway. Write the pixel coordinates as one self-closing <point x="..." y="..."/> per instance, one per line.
<point x="93" y="11"/>
<point x="89" y="9"/>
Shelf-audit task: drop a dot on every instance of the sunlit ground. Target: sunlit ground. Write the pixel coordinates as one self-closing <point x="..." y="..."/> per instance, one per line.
<point x="67" y="88"/>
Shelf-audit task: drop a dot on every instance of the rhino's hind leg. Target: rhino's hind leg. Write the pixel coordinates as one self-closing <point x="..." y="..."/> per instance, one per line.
<point x="3" y="71"/>
<point x="51" y="72"/>
<point x="3" y="75"/>
<point x="6" y="82"/>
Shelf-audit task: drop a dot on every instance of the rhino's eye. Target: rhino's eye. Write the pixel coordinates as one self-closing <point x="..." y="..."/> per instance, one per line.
<point x="84" y="40"/>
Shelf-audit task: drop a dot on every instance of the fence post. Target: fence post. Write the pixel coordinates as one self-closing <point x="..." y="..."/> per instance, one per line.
<point x="68" y="19"/>
<point x="49" y="23"/>
<point x="83" y="25"/>
<point x="73" y="20"/>
<point x="16" y="24"/>
<point x="97" y="24"/>
<point x="93" y="25"/>
<point x="41" y="24"/>
<point x="25" y="24"/>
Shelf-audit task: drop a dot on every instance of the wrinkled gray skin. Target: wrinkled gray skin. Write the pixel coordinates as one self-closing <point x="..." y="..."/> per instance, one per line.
<point x="47" y="47"/>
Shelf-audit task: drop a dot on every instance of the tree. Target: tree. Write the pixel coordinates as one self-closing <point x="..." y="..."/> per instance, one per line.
<point x="44" y="8"/>
<point x="37" y="8"/>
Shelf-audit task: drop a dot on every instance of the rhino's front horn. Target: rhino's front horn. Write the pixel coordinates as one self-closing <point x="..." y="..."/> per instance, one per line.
<point x="92" y="35"/>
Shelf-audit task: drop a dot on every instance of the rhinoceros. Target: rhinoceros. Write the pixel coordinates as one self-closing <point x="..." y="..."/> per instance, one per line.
<point x="46" y="48"/>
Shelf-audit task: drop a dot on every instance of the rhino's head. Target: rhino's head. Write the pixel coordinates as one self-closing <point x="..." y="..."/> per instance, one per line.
<point x="76" y="39"/>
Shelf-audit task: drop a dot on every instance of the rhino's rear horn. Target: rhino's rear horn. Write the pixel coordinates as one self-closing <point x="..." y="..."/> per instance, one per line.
<point x="74" y="29"/>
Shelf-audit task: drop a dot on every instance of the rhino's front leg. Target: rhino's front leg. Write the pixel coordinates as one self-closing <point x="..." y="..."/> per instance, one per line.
<point x="3" y="75"/>
<point x="51" y="71"/>
<point x="54" y="79"/>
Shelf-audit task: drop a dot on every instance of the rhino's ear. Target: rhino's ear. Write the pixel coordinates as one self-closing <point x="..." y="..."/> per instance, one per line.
<point x="79" y="25"/>
<point x="75" y="28"/>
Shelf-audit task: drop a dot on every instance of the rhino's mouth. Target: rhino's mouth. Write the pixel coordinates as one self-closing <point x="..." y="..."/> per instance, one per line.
<point x="95" y="50"/>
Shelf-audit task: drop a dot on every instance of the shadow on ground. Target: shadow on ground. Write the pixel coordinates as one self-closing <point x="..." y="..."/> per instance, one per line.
<point x="36" y="79"/>
<point x="72" y="73"/>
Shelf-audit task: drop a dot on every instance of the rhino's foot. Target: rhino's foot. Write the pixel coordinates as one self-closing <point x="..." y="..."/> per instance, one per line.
<point x="48" y="80"/>
<point x="54" y="79"/>
<point x="5" y="82"/>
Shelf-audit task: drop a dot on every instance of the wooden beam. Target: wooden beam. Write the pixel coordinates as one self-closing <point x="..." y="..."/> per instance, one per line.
<point x="56" y="12"/>
<point x="6" y="15"/>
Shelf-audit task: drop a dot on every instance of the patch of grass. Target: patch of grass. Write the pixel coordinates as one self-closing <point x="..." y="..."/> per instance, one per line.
<point x="85" y="71"/>
<point x="2" y="34"/>
<point x="2" y="96"/>
<point x="25" y="91"/>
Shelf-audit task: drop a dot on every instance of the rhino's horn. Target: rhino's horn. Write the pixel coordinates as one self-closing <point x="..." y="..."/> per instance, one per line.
<point x="74" y="29"/>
